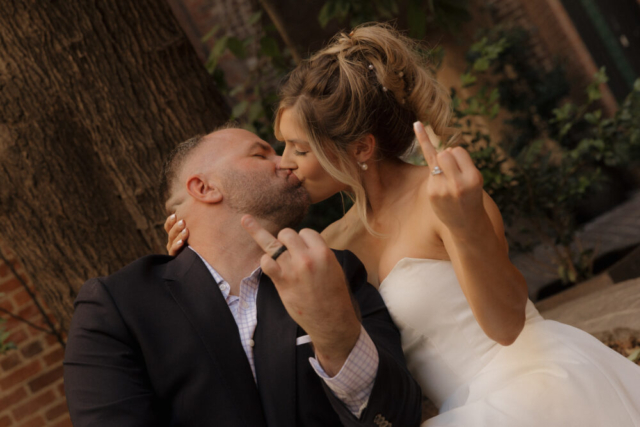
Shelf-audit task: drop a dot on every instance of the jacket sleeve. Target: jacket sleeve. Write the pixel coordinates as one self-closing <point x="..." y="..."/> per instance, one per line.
<point x="396" y="397"/>
<point x="104" y="376"/>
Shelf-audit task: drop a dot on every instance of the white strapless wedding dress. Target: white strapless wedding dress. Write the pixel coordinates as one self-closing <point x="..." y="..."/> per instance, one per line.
<point x="552" y="375"/>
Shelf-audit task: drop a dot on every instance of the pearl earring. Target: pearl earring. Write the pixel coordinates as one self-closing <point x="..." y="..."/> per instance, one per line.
<point x="363" y="166"/>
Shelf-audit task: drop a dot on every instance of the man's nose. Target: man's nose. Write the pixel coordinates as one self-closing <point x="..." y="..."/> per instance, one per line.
<point x="279" y="166"/>
<point x="278" y="161"/>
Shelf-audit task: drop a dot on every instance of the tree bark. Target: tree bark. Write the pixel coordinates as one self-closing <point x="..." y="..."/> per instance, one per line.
<point x="93" y="96"/>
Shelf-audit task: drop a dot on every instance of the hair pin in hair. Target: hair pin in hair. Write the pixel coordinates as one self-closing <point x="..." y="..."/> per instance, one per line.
<point x="384" y="88"/>
<point x="371" y="66"/>
<point x="400" y="74"/>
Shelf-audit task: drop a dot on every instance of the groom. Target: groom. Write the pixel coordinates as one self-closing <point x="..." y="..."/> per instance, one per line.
<point x="209" y="338"/>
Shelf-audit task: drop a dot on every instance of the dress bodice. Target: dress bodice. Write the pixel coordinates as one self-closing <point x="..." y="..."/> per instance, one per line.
<point x="444" y="345"/>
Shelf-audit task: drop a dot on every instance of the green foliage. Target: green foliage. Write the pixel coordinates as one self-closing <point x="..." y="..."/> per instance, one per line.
<point x="447" y="15"/>
<point x="551" y="157"/>
<point x="4" y="335"/>
<point x="253" y="101"/>
<point x="357" y="11"/>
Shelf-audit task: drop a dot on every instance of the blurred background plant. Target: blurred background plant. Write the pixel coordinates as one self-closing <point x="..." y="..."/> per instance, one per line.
<point x="552" y="152"/>
<point x="5" y="345"/>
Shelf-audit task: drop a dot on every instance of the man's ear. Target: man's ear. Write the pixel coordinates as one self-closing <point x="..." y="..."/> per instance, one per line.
<point x="203" y="190"/>
<point x="364" y="149"/>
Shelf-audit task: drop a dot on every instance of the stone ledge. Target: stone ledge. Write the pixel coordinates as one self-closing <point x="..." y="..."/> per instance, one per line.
<point x="597" y="310"/>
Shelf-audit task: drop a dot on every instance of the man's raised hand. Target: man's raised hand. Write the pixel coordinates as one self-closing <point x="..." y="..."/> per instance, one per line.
<point x="313" y="289"/>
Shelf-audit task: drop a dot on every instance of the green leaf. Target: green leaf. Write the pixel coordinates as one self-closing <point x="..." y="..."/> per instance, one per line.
<point x="211" y="32"/>
<point x="253" y="19"/>
<point x="479" y="45"/>
<point x="495" y="95"/>
<point x="481" y="64"/>
<point x="495" y="109"/>
<point x="636" y="85"/>
<point x="417" y="20"/>
<point x="236" y="90"/>
<point x="593" y="92"/>
<point x="565" y="129"/>
<point x="594" y="117"/>
<point x="269" y="47"/>
<point x="327" y="13"/>
<point x="563" y="113"/>
<point x="532" y="152"/>
<point x="250" y="127"/>
<point x="236" y="46"/>
<point x="467" y="79"/>
<point x="256" y="110"/>
<point x="635" y="355"/>
<point x="562" y="273"/>
<point x="239" y="109"/>
<point x="216" y="52"/>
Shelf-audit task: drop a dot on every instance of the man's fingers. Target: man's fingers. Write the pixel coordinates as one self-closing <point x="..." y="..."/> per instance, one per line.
<point x="263" y="238"/>
<point x="428" y="150"/>
<point x="312" y="239"/>
<point x="270" y="267"/>
<point x="292" y="240"/>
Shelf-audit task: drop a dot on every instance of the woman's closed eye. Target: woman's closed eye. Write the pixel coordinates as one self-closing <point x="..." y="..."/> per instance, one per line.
<point x="300" y="153"/>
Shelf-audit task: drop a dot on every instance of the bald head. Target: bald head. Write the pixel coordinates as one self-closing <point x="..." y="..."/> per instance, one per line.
<point x="197" y="155"/>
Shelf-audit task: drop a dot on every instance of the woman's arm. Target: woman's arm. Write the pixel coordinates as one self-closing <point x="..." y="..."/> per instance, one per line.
<point x="471" y="228"/>
<point x="495" y="289"/>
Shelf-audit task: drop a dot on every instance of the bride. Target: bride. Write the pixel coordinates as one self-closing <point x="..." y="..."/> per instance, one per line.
<point x="433" y="243"/>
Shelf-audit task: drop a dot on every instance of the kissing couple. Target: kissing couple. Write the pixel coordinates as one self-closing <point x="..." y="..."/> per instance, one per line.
<point x="254" y="324"/>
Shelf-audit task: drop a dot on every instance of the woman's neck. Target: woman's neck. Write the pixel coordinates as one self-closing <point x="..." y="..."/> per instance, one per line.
<point x="383" y="183"/>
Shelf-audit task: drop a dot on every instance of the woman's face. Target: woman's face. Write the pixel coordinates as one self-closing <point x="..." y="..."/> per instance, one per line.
<point x="303" y="163"/>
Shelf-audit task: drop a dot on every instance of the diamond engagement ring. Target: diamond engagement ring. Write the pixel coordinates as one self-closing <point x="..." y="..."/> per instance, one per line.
<point x="436" y="171"/>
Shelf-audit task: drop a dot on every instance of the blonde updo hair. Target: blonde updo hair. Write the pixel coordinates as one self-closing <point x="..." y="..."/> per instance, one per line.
<point x="371" y="81"/>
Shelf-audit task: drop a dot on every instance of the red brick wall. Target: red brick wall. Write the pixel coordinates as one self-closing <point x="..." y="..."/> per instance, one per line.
<point x="31" y="389"/>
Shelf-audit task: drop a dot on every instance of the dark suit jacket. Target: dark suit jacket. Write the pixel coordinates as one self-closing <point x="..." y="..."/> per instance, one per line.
<point x="155" y="344"/>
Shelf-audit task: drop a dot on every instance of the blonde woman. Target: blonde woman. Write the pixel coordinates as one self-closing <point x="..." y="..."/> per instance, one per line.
<point x="433" y="243"/>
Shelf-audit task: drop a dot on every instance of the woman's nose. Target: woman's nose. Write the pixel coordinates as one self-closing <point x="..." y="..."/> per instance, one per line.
<point x="286" y="162"/>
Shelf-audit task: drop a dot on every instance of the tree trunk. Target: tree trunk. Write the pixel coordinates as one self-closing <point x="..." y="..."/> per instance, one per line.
<point x="93" y="96"/>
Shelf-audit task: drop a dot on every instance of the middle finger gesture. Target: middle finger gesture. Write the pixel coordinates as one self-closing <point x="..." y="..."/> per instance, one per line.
<point x="454" y="187"/>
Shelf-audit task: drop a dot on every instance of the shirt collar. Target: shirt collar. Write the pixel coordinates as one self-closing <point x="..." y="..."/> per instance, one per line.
<point x="254" y="276"/>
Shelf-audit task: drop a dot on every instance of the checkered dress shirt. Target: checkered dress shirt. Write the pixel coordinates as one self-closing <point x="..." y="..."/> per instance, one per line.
<point x="352" y="385"/>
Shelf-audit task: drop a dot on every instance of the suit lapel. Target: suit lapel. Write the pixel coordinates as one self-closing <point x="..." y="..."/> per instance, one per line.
<point x="275" y="357"/>
<point x="196" y="292"/>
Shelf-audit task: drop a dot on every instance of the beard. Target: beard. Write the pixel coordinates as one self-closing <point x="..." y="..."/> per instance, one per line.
<point x="281" y="202"/>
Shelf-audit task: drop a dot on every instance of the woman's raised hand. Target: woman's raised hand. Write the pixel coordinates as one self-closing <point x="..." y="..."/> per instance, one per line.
<point x="178" y="234"/>
<point x="454" y="188"/>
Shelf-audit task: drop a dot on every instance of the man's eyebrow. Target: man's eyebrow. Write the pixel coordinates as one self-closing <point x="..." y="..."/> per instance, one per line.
<point x="261" y="145"/>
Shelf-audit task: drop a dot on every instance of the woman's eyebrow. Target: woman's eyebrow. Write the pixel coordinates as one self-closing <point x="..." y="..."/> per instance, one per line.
<point x="297" y="141"/>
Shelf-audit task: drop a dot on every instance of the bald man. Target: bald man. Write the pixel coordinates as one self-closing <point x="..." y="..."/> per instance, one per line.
<point x="241" y="328"/>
